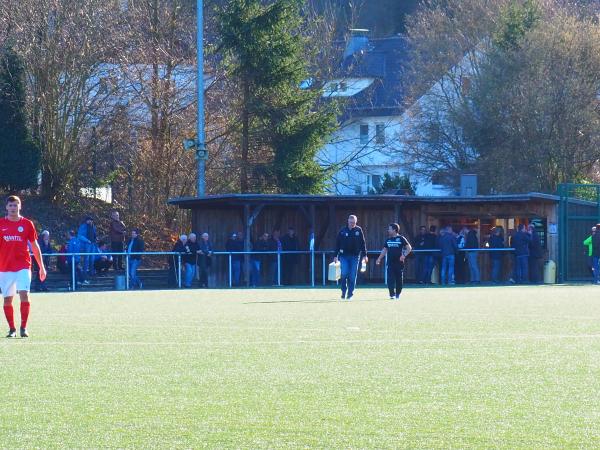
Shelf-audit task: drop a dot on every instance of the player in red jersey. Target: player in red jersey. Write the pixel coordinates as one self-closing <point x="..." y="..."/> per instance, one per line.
<point x="17" y="236"/>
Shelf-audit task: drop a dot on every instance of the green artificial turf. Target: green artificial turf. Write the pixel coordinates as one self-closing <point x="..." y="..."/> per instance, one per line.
<point x="513" y="367"/>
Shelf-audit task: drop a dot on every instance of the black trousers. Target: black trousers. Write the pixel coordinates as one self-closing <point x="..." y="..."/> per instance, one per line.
<point x="395" y="278"/>
<point x="117" y="260"/>
<point x="536" y="270"/>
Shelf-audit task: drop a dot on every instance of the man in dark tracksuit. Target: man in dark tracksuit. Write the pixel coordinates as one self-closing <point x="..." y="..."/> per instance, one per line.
<point x="350" y="246"/>
<point x="520" y="243"/>
<point x="397" y="249"/>
<point x="536" y="256"/>
<point x="422" y="268"/>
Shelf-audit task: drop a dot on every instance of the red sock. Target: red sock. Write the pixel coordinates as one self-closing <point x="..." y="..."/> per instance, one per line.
<point x="24" y="313"/>
<point x="8" y="313"/>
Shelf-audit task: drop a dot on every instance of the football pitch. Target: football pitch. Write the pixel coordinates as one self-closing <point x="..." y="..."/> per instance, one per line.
<point x="509" y="367"/>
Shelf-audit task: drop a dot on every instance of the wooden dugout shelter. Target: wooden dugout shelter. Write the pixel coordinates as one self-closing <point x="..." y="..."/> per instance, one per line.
<point x="324" y="215"/>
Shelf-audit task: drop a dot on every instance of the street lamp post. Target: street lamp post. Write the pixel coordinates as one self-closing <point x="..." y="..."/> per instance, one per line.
<point x="201" y="153"/>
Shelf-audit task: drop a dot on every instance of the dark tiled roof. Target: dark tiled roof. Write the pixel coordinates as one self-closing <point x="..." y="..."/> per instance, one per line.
<point x="382" y="59"/>
<point x="286" y="199"/>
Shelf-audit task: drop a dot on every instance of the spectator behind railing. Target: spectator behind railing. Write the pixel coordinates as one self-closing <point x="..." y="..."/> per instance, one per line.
<point x="520" y="243"/>
<point x="596" y="254"/>
<point x="289" y="262"/>
<point x="46" y="250"/>
<point x="135" y="245"/>
<point x="87" y="237"/>
<point x="536" y="256"/>
<point x="258" y="260"/>
<point x="190" y="259"/>
<point x="74" y="246"/>
<point x="205" y="259"/>
<point x="423" y="261"/>
<point x="102" y="261"/>
<point x="274" y="246"/>
<point x="236" y="244"/>
<point x="448" y="248"/>
<point x="590" y="250"/>
<point x="174" y="269"/>
<point x="472" y="242"/>
<point x="496" y="242"/>
<point x="117" y="233"/>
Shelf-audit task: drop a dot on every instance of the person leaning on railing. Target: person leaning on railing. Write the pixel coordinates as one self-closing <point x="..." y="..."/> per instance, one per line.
<point x="205" y="253"/>
<point x="135" y="245"/>
<point x="235" y="244"/>
<point x="174" y="269"/>
<point x="190" y="259"/>
<point x="596" y="254"/>
<point x="496" y="242"/>
<point x="589" y="252"/>
<point x="117" y="233"/>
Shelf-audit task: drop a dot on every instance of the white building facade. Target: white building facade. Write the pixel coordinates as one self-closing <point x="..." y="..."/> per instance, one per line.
<point x="368" y="144"/>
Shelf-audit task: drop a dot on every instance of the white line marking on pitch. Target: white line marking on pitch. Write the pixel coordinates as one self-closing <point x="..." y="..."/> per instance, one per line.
<point x="323" y="341"/>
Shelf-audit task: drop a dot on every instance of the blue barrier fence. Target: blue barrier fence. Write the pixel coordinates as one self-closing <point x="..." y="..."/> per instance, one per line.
<point x="178" y="266"/>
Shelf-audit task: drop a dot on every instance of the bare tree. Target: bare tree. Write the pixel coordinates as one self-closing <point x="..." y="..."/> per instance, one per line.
<point x="64" y="44"/>
<point x="518" y="114"/>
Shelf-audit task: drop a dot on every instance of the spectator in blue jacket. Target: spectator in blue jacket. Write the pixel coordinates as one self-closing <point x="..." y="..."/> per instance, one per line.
<point x="520" y="243"/>
<point x="87" y="238"/>
<point x="74" y="246"/>
<point x="135" y="245"/>
<point x="448" y="247"/>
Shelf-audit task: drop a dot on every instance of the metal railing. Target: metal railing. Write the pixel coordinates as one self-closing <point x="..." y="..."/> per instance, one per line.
<point x="247" y="262"/>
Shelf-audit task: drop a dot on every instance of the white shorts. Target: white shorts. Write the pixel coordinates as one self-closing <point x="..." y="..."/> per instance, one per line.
<point x="13" y="282"/>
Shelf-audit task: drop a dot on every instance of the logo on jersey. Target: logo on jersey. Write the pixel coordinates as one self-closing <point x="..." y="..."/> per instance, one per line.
<point x="20" y="229"/>
<point x="13" y="238"/>
<point x="357" y="233"/>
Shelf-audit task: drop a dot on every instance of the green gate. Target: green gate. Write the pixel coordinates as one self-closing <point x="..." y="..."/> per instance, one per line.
<point x="578" y="212"/>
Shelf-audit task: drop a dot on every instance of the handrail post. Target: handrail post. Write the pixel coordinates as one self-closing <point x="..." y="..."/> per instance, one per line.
<point x="179" y="269"/>
<point x="127" y="272"/>
<point x="73" y="278"/>
<point x="230" y="274"/>
<point x="324" y="270"/>
<point x="278" y="268"/>
<point x="312" y="267"/>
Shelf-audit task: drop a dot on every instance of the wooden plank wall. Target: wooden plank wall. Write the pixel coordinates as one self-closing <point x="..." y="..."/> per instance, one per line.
<point x="219" y="222"/>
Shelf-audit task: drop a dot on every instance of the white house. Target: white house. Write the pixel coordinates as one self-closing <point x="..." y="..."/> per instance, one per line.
<point x="368" y="143"/>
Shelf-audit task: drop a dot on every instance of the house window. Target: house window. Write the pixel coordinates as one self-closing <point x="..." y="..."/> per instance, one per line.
<point x="364" y="134"/>
<point x="380" y="134"/>
<point x="376" y="182"/>
<point x="358" y="190"/>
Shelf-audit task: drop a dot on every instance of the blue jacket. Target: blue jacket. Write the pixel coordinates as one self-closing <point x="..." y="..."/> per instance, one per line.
<point x="496" y="242"/>
<point x="85" y="234"/>
<point x="448" y="244"/>
<point x="74" y="245"/>
<point x="520" y="243"/>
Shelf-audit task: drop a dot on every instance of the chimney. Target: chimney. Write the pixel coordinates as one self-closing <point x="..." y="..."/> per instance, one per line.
<point x="468" y="185"/>
<point x="358" y="40"/>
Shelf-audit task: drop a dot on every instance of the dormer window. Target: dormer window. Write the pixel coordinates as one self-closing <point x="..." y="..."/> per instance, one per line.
<point x="380" y="134"/>
<point x="364" y="134"/>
